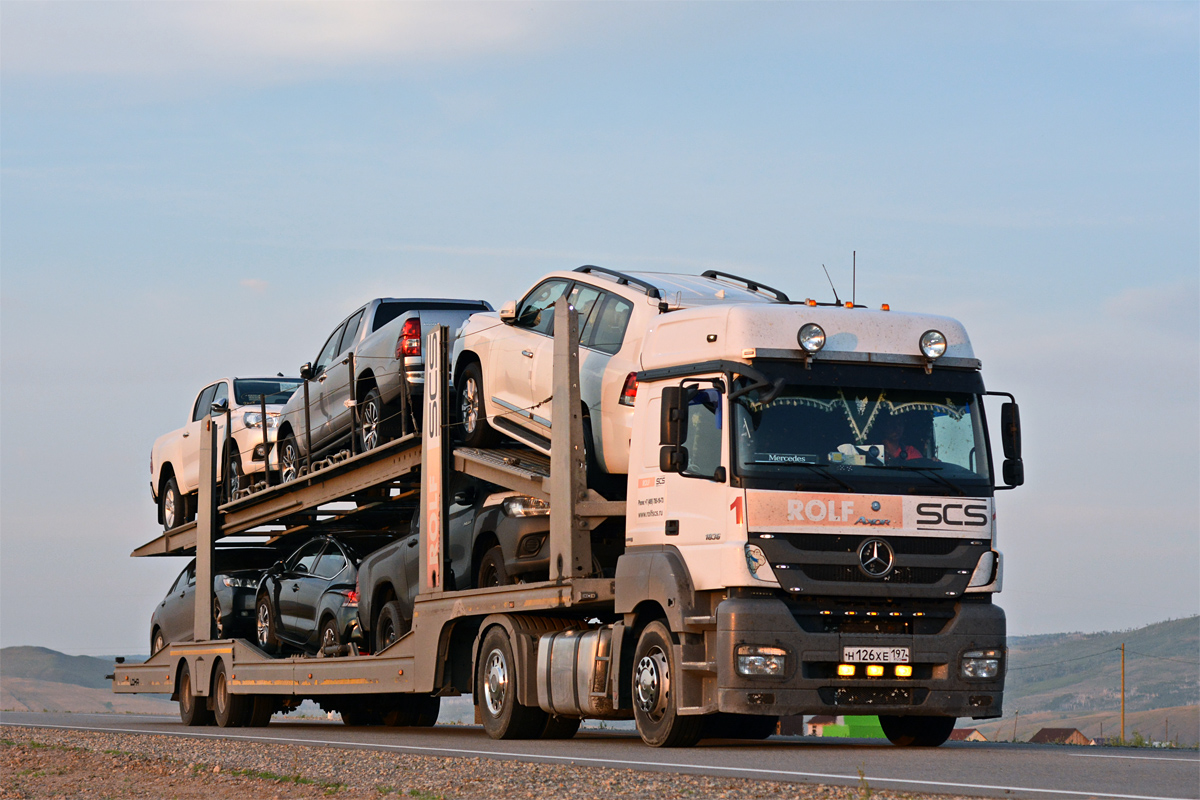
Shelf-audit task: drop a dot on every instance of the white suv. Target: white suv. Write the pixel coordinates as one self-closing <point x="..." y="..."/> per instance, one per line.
<point x="503" y="363"/>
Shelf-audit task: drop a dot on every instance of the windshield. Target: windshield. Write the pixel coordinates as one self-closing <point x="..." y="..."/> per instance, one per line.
<point x="843" y="438"/>
<point x="277" y="391"/>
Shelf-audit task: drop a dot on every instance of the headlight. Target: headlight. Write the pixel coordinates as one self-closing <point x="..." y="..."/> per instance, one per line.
<point x="758" y="660"/>
<point x="981" y="664"/>
<point x="252" y="419"/>
<point x="933" y="344"/>
<point x="984" y="569"/>
<point x="237" y="583"/>
<point x="811" y="337"/>
<point x="525" y="506"/>
<point x="756" y="559"/>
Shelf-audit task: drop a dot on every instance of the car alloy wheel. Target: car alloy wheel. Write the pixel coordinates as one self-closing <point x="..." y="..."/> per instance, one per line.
<point x="263" y="625"/>
<point x="370" y="424"/>
<point x="289" y="460"/>
<point x="470" y="406"/>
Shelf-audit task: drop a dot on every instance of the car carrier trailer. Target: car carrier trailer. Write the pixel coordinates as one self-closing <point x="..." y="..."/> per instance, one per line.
<point x="681" y="629"/>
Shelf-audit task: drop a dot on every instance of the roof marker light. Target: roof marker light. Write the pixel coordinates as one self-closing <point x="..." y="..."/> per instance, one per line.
<point x="810" y="302"/>
<point x="885" y="307"/>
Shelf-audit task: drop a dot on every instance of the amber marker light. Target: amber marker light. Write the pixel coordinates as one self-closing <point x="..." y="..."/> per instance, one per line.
<point x="885" y="307"/>
<point x="875" y="670"/>
<point x="845" y="670"/>
<point x="903" y="671"/>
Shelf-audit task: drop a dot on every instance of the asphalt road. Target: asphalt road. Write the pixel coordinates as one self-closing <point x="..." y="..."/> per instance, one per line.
<point x="982" y="769"/>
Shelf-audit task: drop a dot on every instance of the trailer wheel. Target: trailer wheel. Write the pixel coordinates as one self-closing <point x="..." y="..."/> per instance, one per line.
<point x="262" y="708"/>
<point x="561" y="727"/>
<point x="655" y="702"/>
<point x="231" y="710"/>
<point x="172" y="506"/>
<point x="491" y="569"/>
<point x="192" y="710"/>
<point x="503" y="715"/>
<point x="916" y="731"/>
<point x="476" y="431"/>
<point x="267" y="638"/>
<point x="390" y="625"/>
<point x="359" y="713"/>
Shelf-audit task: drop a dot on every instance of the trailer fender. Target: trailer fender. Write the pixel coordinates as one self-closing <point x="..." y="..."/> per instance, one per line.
<point x="659" y="574"/>
<point x="524" y="633"/>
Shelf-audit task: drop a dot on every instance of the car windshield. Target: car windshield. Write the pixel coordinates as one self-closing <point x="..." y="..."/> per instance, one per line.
<point x="860" y="439"/>
<point x="277" y="391"/>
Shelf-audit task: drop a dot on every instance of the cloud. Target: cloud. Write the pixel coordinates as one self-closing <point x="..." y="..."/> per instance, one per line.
<point x="255" y="38"/>
<point x="253" y="284"/>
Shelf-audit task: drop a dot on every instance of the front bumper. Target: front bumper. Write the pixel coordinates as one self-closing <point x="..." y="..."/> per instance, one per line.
<point x="810" y="685"/>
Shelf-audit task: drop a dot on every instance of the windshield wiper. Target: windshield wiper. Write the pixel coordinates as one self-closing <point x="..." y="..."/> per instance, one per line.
<point x="824" y="470"/>
<point x="928" y="472"/>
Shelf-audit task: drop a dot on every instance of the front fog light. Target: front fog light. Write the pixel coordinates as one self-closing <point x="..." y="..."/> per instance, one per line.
<point x="758" y="660"/>
<point x="903" y="671"/>
<point x="981" y="664"/>
<point x="933" y="344"/>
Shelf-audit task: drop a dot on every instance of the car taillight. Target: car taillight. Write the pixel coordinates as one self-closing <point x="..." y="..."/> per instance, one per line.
<point x="629" y="390"/>
<point x="351" y="600"/>
<point x="409" y="343"/>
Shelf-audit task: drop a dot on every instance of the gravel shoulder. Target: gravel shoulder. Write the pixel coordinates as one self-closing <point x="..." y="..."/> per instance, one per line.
<point x="36" y="762"/>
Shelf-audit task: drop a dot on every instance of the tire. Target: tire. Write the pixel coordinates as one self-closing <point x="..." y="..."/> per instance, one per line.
<point x="491" y="569"/>
<point x="329" y="636"/>
<point x="390" y="625"/>
<point x="267" y="637"/>
<point x="172" y="506"/>
<point x="917" y="731"/>
<point x="374" y="426"/>
<point x="428" y="708"/>
<point x="739" y="726"/>
<point x="230" y="710"/>
<point x="472" y="412"/>
<point x="655" y="705"/>
<point x="218" y="625"/>
<point x="412" y="711"/>
<point x="290" y="460"/>
<point x="157" y="641"/>
<point x="561" y="727"/>
<point x="193" y="710"/>
<point x="360" y="713"/>
<point x="235" y="481"/>
<point x="262" y="708"/>
<point x="503" y="715"/>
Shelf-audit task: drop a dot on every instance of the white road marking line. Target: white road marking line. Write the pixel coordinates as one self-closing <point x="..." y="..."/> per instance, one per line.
<point x="604" y="761"/>
<point x="1139" y="758"/>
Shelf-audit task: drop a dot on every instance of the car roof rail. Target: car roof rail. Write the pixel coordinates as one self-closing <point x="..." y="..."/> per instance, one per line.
<point x="753" y="286"/>
<point x="622" y="279"/>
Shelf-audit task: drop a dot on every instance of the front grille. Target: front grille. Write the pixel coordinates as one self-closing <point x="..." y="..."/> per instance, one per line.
<point x="849" y="574"/>
<point x="903" y="545"/>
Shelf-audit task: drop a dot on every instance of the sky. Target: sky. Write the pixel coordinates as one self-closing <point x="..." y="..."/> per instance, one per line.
<point x="192" y="190"/>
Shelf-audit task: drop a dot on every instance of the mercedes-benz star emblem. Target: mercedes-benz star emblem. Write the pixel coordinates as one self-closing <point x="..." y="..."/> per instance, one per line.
<point x="876" y="558"/>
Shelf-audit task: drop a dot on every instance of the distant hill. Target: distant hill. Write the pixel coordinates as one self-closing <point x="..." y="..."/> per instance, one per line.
<point x="43" y="664"/>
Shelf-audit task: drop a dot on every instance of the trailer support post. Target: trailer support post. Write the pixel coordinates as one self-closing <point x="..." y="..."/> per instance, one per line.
<point x="206" y="526"/>
<point x="570" y="539"/>
<point x="435" y="461"/>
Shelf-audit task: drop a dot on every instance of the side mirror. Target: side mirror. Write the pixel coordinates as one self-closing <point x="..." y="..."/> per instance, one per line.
<point x="1010" y="430"/>
<point x="1014" y="471"/>
<point x="508" y="312"/>
<point x="277" y="568"/>
<point x="465" y="497"/>
<point x="220" y="407"/>
<point x="672" y="458"/>
<point x="674" y="406"/>
<point x="306" y="372"/>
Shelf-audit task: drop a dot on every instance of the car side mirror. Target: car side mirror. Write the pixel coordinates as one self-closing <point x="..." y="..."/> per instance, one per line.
<point x="508" y="312"/>
<point x="306" y="372"/>
<point x="1010" y="430"/>
<point x="465" y="497"/>
<point x="1014" y="471"/>
<point x="277" y="568"/>
<point x="220" y="407"/>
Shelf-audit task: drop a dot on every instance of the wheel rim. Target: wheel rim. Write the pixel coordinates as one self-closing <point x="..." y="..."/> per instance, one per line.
<point x="470" y="406"/>
<point x="370" y="425"/>
<point x="264" y="625"/>
<point x="329" y="638"/>
<point x="495" y="683"/>
<point x="158" y="642"/>
<point x="235" y="479"/>
<point x="185" y="692"/>
<point x="222" y="694"/>
<point x="169" y="509"/>
<point x="387" y="632"/>
<point x="289" y="461"/>
<point x="488" y="576"/>
<point x="652" y="683"/>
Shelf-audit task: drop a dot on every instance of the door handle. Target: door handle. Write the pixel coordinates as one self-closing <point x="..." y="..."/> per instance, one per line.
<point x="322" y="378"/>
<point x="527" y="353"/>
<point x="413" y="543"/>
<point x="295" y="587"/>
<point x="186" y="434"/>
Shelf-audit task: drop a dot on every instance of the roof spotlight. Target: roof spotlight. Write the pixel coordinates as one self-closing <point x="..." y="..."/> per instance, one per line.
<point x="933" y="344"/>
<point x="811" y="337"/>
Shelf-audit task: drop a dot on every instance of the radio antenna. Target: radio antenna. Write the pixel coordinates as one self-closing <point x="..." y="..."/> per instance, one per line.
<point x="831" y="286"/>
<point x="854" y="278"/>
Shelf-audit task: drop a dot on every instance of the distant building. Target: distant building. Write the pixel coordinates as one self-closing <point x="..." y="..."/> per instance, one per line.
<point x="1060" y="736"/>
<point x="967" y="735"/>
<point x="791" y="725"/>
<point x="816" y="725"/>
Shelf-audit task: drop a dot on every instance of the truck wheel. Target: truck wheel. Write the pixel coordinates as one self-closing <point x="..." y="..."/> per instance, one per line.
<point x="172" y="506"/>
<point x="236" y="479"/>
<point x="289" y="459"/>
<point x="267" y="638"/>
<point x="655" y="702"/>
<point x="916" y="731"/>
<point x="476" y="431"/>
<point x="390" y="625"/>
<point x="503" y="715"/>
<point x="192" y="710"/>
<point x="231" y="710"/>
<point x="330" y="637"/>
<point x="262" y="708"/>
<point x="561" y="727"/>
<point x="157" y="641"/>
<point x="491" y="569"/>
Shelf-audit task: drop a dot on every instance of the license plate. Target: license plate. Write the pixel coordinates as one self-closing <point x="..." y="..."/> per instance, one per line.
<point x="875" y="655"/>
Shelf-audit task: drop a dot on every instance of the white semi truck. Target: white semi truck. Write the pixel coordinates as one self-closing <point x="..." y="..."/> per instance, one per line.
<point x="809" y="527"/>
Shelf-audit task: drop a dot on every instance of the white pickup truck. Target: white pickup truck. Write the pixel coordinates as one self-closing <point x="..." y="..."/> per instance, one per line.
<point x="175" y="457"/>
<point x="380" y="344"/>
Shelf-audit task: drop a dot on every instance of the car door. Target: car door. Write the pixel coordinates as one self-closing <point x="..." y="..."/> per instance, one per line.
<point x="318" y="407"/>
<point x="174" y="614"/>
<point x="329" y="570"/>
<point x="337" y="388"/>
<point x="295" y="584"/>
<point x="585" y="299"/>
<point x="508" y="371"/>
<point x="189" y="473"/>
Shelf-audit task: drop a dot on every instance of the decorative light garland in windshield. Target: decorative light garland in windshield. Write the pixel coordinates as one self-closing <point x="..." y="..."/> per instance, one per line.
<point x="861" y="414"/>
